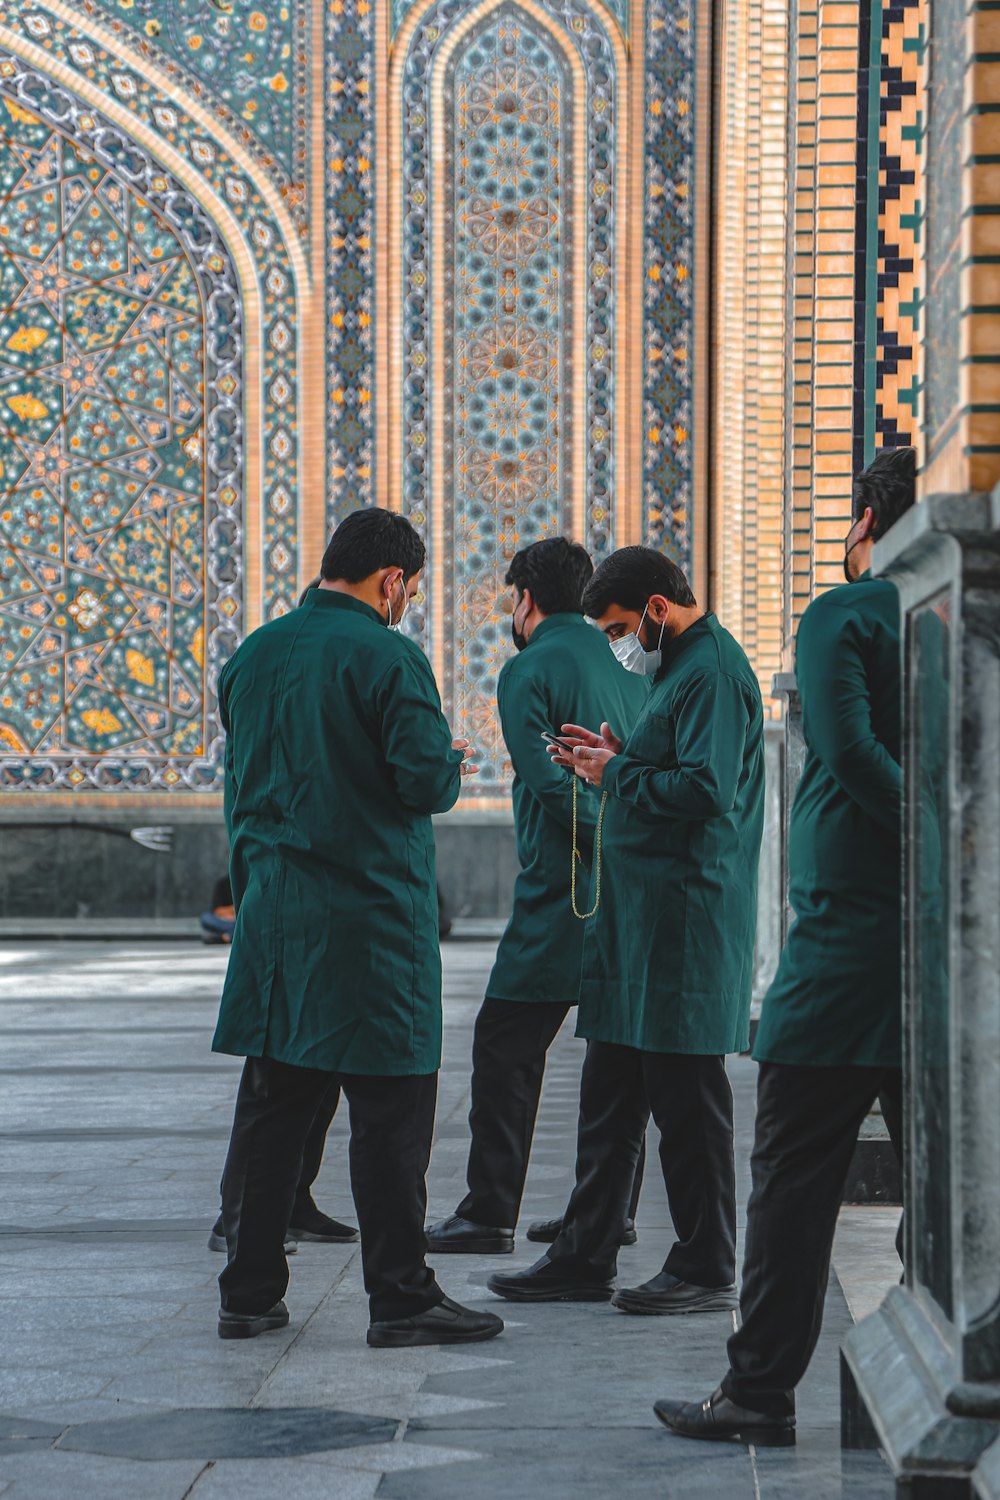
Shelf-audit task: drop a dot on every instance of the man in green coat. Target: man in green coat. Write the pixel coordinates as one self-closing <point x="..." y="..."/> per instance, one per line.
<point x="829" y="1039"/>
<point x="337" y="756"/>
<point x="668" y="954"/>
<point x="564" y="670"/>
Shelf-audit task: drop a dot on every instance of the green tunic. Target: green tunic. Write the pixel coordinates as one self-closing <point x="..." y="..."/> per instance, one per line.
<point x="337" y="756"/>
<point x="567" y="674"/>
<point x="836" y="997"/>
<point x="668" y="959"/>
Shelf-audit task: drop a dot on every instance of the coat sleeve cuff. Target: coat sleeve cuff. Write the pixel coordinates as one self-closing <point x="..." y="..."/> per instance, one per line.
<point x="612" y="773"/>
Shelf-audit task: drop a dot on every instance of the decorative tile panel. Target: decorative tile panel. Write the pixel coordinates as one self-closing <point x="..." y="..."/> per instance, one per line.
<point x="509" y="311"/>
<point x="401" y="8"/>
<point x="668" y="289"/>
<point x="249" y="56"/>
<point x="902" y="128"/>
<point x="121" y="481"/>
<point x="351" y="252"/>
<point x="411" y="404"/>
<point x="207" y="160"/>
<point x="495" y="454"/>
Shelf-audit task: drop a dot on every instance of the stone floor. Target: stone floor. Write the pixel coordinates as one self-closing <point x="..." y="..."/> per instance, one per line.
<point x="114" y="1117"/>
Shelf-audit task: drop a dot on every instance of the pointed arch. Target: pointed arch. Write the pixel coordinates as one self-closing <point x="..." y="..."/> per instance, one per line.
<point x="569" y="481"/>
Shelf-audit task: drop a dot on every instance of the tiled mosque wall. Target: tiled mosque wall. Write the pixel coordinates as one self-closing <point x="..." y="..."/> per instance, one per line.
<point x="263" y="264"/>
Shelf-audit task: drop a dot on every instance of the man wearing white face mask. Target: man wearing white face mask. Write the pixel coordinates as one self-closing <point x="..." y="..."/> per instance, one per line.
<point x="667" y="960"/>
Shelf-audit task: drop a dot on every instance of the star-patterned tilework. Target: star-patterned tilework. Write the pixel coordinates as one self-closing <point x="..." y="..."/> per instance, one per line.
<point x="249" y="56"/>
<point x="109" y="594"/>
<point x="207" y="159"/>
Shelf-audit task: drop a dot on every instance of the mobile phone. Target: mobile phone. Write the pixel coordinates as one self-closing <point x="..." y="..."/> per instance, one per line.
<point x="552" y="740"/>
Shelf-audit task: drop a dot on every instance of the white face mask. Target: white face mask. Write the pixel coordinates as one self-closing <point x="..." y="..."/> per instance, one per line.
<point x="634" y="657"/>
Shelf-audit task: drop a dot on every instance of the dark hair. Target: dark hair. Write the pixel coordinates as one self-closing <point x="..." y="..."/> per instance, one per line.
<point x="888" y="485"/>
<point x="368" y="540"/>
<point x="630" y="577"/>
<point x="556" y="571"/>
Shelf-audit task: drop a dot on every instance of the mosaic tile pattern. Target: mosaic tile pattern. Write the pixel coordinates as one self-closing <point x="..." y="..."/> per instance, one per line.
<point x="458" y="491"/>
<point x="351" y="252"/>
<point x="669" y="281"/>
<point x="250" y="56"/>
<point x="277" y="541"/>
<point x="401" y="9"/>
<point x="889" y="220"/>
<point x="901" y="222"/>
<point x="503" y="473"/>
<point x="509" y="438"/>
<point x="120" y="392"/>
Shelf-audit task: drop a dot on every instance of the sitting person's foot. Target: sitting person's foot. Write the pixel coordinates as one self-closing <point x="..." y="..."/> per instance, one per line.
<point x="547" y="1231"/>
<point x="551" y="1281"/>
<point x="668" y="1294"/>
<point x="217" y="1239"/>
<point x="719" y="1420"/>
<point x="458" y="1236"/>
<point x="447" y="1323"/>
<point x="312" y="1225"/>
<point x="236" y="1325"/>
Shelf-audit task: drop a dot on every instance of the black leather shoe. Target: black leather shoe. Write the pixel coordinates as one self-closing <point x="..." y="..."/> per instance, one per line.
<point x="546" y="1231"/>
<point x="217" y="1239"/>
<point x="666" y="1294"/>
<point x="447" y="1323"/>
<point x="234" y="1325"/>
<point x="546" y="1281"/>
<point x="313" y="1226"/>
<point x="719" y="1420"/>
<point x="457" y="1236"/>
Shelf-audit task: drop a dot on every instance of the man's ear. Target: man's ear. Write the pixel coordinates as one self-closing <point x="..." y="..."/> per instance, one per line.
<point x="866" y="523"/>
<point x="659" y="608"/>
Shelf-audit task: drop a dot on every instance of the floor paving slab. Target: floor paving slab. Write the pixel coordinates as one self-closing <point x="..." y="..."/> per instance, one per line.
<point x="114" y="1118"/>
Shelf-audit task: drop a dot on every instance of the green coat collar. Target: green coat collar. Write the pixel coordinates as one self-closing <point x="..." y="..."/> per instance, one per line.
<point x="327" y="599"/>
<point x="555" y="622"/>
<point x="674" y="649"/>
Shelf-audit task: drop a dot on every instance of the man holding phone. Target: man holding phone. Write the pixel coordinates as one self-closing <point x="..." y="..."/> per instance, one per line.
<point x="337" y="755"/>
<point x="563" y="669"/>
<point x="668" y="954"/>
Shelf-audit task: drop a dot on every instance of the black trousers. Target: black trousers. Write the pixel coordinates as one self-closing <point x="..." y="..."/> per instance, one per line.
<point x="807" y="1126"/>
<point x="509" y="1046"/>
<point x="312" y="1151"/>
<point x="392" y="1122"/>
<point x="692" y="1106"/>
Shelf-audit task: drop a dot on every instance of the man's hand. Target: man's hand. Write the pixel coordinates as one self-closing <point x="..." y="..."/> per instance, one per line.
<point x="467" y="767"/>
<point x="574" y="737"/>
<point x="589" y="763"/>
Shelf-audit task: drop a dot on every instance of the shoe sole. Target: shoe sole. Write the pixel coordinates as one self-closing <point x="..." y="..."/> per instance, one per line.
<point x="759" y="1437"/>
<point x="625" y="1304"/>
<point x="251" y="1330"/>
<point x="309" y="1237"/>
<point x="470" y="1247"/>
<point x="575" y="1294"/>
<point x="416" y="1339"/>
<point x="550" y="1239"/>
